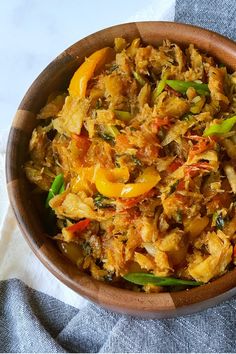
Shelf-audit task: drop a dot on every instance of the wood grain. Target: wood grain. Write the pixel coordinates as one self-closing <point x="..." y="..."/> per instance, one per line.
<point x="28" y="211"/>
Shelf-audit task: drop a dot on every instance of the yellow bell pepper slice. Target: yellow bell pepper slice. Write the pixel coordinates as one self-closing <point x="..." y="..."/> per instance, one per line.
<point x="84" y="181"/>
<point x="86" y="177"/>
<point x="106" y="183"/>
<point x="85" y="72"/>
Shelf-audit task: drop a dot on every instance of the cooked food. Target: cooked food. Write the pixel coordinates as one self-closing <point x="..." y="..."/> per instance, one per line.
<point x="136" y="166"/>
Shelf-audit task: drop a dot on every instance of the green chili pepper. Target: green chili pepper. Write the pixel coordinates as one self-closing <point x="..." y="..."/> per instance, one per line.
<point x="158" y="90"/>
<point x="182" y="86"/>
<point x="221" y="128"/>
<point x="139" y="78"/>
<point x="57" y="187"/>
<point x="147" y="278"/>
<point x="123" y="115"/>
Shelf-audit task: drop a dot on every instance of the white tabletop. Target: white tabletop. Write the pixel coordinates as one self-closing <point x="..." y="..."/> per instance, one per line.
<point x="33" y="32"/>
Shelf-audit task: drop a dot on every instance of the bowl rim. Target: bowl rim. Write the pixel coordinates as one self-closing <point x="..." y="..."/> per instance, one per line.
<point x="141" y="304"/>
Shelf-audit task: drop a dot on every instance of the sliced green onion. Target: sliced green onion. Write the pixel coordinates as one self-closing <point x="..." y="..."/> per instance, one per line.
<point x="158" y="90"/>
<point x="186" y="116"/>
<point x="109" y="134"/>
<point x="139" y="78"/>
<point x="62" y="189"/>
<point x="221" y="128"/>
<point x="182" y="86"/>
<point x="112" y="130"/>
<point x="147" y="278"/>
<point x="179" y="217"/>
<point x="123" y="115"/>
<point x="57" y="187"/>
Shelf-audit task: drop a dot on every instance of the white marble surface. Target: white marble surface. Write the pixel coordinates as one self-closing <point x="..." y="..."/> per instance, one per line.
<point x="33" y="32"/>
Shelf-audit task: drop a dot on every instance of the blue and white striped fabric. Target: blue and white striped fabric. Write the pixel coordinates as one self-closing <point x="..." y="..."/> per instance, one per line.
<point x="44" y="316"/>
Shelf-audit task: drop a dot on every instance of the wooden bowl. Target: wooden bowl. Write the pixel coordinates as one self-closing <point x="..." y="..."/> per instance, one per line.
<point x="29" y="215"/>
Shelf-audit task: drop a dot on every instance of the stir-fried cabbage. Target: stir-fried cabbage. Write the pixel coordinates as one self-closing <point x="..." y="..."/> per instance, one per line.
<point x="146" y="163"/>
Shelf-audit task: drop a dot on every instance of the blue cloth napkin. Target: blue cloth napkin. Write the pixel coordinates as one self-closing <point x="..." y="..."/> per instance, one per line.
<point x="31" y="321"/>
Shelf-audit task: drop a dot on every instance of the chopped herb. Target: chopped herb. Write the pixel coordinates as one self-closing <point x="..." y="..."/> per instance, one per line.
<point x="113" y="67"/>
<point x="109" y="134"/>
<point x="102" y="202"/>
<point x="117" y="164"/>
<point x="107" y="137"/>
<point x="136" y="160"/>
<point x="218" y="220"/>
<point x="179" y="217"/>
<point x="67" y="221"/>
<point x="129" y="157"/>
<point x="64" y="222"/>
<point x="173" y="186"/>
<point x="87" y="249"/>
<point x="186" y="117"/>
<point x="109" y="277"/>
